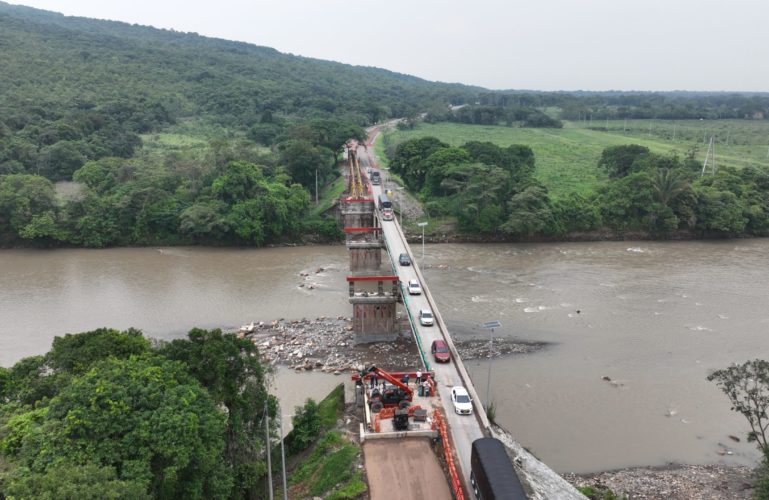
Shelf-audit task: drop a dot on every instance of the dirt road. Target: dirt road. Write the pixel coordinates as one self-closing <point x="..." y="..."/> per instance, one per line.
<point x="404" y="469"/>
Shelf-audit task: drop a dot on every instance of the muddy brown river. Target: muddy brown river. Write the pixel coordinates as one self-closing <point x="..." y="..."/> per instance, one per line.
<point x="653" y="317"/>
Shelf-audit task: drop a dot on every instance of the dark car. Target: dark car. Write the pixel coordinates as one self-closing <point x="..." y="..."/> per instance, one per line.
<point x="440" y="351"/>
<point x="404" y="259"/>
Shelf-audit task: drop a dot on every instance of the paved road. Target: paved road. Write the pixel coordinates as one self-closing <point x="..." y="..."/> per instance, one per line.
<point x="464" y="429"/>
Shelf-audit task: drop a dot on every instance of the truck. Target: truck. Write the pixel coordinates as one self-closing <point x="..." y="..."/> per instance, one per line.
<point x="393" y="395"/>
<point x="385" y="207"/>
<point x="492" y="474"/>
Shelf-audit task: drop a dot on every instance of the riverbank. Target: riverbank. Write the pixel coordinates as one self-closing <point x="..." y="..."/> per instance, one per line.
<point x="673" y="482"/>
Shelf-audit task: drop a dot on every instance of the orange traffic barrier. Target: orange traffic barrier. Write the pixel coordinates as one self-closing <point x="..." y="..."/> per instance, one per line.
<point x="456" y="485"/>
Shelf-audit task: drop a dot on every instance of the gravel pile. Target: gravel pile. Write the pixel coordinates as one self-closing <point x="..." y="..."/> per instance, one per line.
<point x="675" y="482"/>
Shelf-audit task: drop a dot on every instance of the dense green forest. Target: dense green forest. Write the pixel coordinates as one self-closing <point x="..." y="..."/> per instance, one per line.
<point x="105" y="415"/>
<point x="175" y="138"/>
<point x="240" y="132"/>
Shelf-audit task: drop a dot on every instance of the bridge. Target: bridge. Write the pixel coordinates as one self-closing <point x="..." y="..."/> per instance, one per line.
<point x="376" y="242"/>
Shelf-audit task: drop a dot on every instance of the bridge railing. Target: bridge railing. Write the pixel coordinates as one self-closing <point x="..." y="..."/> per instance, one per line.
<point x="466" y="380"/>
<point x="412" y="324"/>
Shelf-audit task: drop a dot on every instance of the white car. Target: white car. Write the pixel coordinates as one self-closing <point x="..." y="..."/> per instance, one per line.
<point x="426" y="317"/>
<point x="463" y="405"/>
<point x="414" y="288"/>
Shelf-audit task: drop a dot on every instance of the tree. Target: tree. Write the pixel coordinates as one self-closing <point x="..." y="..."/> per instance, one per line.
<point x="668" y="184"/>
<point x="529" y="213"/>
<point x="306" y="422"/>
<point x="619" y="160"/>
<point x="76" y="353"/>
<point x="747" y="387"/>
<point x="719" y="211"/>
<point x="68" y="481"/>
<point x="22" y="198"/>
<point x="304" y="161"/>
<point x="435" y="167"/>
<point x="408" y="156"/>
<point x="229" y="368"/>
<point x="146" y="417"/>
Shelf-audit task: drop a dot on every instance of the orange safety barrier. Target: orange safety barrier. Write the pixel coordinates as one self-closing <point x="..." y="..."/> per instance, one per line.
<point x="439" y="423"/>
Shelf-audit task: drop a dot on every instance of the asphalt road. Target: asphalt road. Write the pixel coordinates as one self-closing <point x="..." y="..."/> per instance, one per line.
<point x="464" y="428"/>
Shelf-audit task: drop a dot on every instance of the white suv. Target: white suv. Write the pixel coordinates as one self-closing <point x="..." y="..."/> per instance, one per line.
<point x="463" y="405"/>
<point x="426" y="317"/>
<point x="414" y="288"/>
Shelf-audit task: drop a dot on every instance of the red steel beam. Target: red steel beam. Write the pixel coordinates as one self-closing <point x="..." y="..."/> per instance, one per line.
<point x="372" y="278"/>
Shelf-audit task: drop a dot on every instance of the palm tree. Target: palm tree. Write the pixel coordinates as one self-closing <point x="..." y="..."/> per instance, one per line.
<point x="667" y="185"/>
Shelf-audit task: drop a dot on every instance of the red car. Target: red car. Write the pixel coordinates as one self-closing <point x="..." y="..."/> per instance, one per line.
<point x="440" y="351"/>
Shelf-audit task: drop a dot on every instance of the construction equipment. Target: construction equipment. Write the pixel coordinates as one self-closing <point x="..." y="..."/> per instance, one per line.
<point x="393" y="393"/>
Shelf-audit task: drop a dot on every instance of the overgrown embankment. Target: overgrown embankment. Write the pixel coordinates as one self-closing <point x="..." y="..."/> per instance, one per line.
<point x="324" y="459"/>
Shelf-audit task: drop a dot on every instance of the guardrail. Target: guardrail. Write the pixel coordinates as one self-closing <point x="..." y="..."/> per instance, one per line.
<point x="412" y="324"/>
<point x="480" y="412"/>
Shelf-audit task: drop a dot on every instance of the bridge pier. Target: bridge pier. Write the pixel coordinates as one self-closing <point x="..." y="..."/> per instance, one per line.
<point x="365" y="245"/>
<point x="357" y="212"/>
<point x="373" y="318"/>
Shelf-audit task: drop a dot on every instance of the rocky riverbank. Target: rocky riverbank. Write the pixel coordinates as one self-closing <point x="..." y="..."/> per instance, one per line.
<point x="674" y="482"/>
<point x="328" y="344"/>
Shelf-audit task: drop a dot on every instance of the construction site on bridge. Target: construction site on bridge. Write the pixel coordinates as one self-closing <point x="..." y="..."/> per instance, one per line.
<point x="434" y="404"/>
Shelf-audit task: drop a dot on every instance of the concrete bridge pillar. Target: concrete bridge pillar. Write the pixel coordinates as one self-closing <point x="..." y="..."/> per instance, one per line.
<point x="365" y="245"/>
<point x="358" y="212"/>
<point x="374" y="308"/>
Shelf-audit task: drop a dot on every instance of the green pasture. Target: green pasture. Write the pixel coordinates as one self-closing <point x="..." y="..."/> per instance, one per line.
<point x="567" y="158"/>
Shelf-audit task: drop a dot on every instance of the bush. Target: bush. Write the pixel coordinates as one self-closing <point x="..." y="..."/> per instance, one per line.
<point x="306" y="422"/>
<point x="327" y="229"/>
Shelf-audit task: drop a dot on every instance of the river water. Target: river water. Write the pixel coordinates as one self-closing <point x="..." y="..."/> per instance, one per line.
<point x="655" y="318"/>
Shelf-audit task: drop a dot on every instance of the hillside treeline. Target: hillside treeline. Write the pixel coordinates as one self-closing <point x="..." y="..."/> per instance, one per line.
<point x="491" y="190"/>
<point x="636" y="105"/>
<point x="81" y="99"/>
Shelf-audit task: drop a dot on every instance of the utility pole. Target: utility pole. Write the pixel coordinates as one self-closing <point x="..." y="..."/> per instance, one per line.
<point x="422" y="225"/>
<point x="283" y="459"/>
<point x="490" y="325"/>
<point x="316" y="186"/>
<point x="710" y="155"/>
<point x="267" y="443"/>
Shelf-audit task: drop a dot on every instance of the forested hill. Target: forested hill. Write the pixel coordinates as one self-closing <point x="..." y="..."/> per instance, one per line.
<point x="52" y="64"/>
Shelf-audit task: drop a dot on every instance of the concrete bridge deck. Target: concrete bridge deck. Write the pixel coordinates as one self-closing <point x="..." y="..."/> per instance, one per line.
<point x="543" y="483"/>
<point x="464" y="428"/>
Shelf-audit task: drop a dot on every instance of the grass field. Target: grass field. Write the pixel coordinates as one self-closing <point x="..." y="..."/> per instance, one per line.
<point x="567" y="158"/>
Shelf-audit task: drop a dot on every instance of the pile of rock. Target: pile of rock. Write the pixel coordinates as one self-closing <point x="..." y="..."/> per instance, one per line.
<point x="326" y="344"/>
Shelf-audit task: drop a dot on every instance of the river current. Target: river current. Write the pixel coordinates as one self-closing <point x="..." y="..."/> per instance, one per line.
<point x="632" y="328"/>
